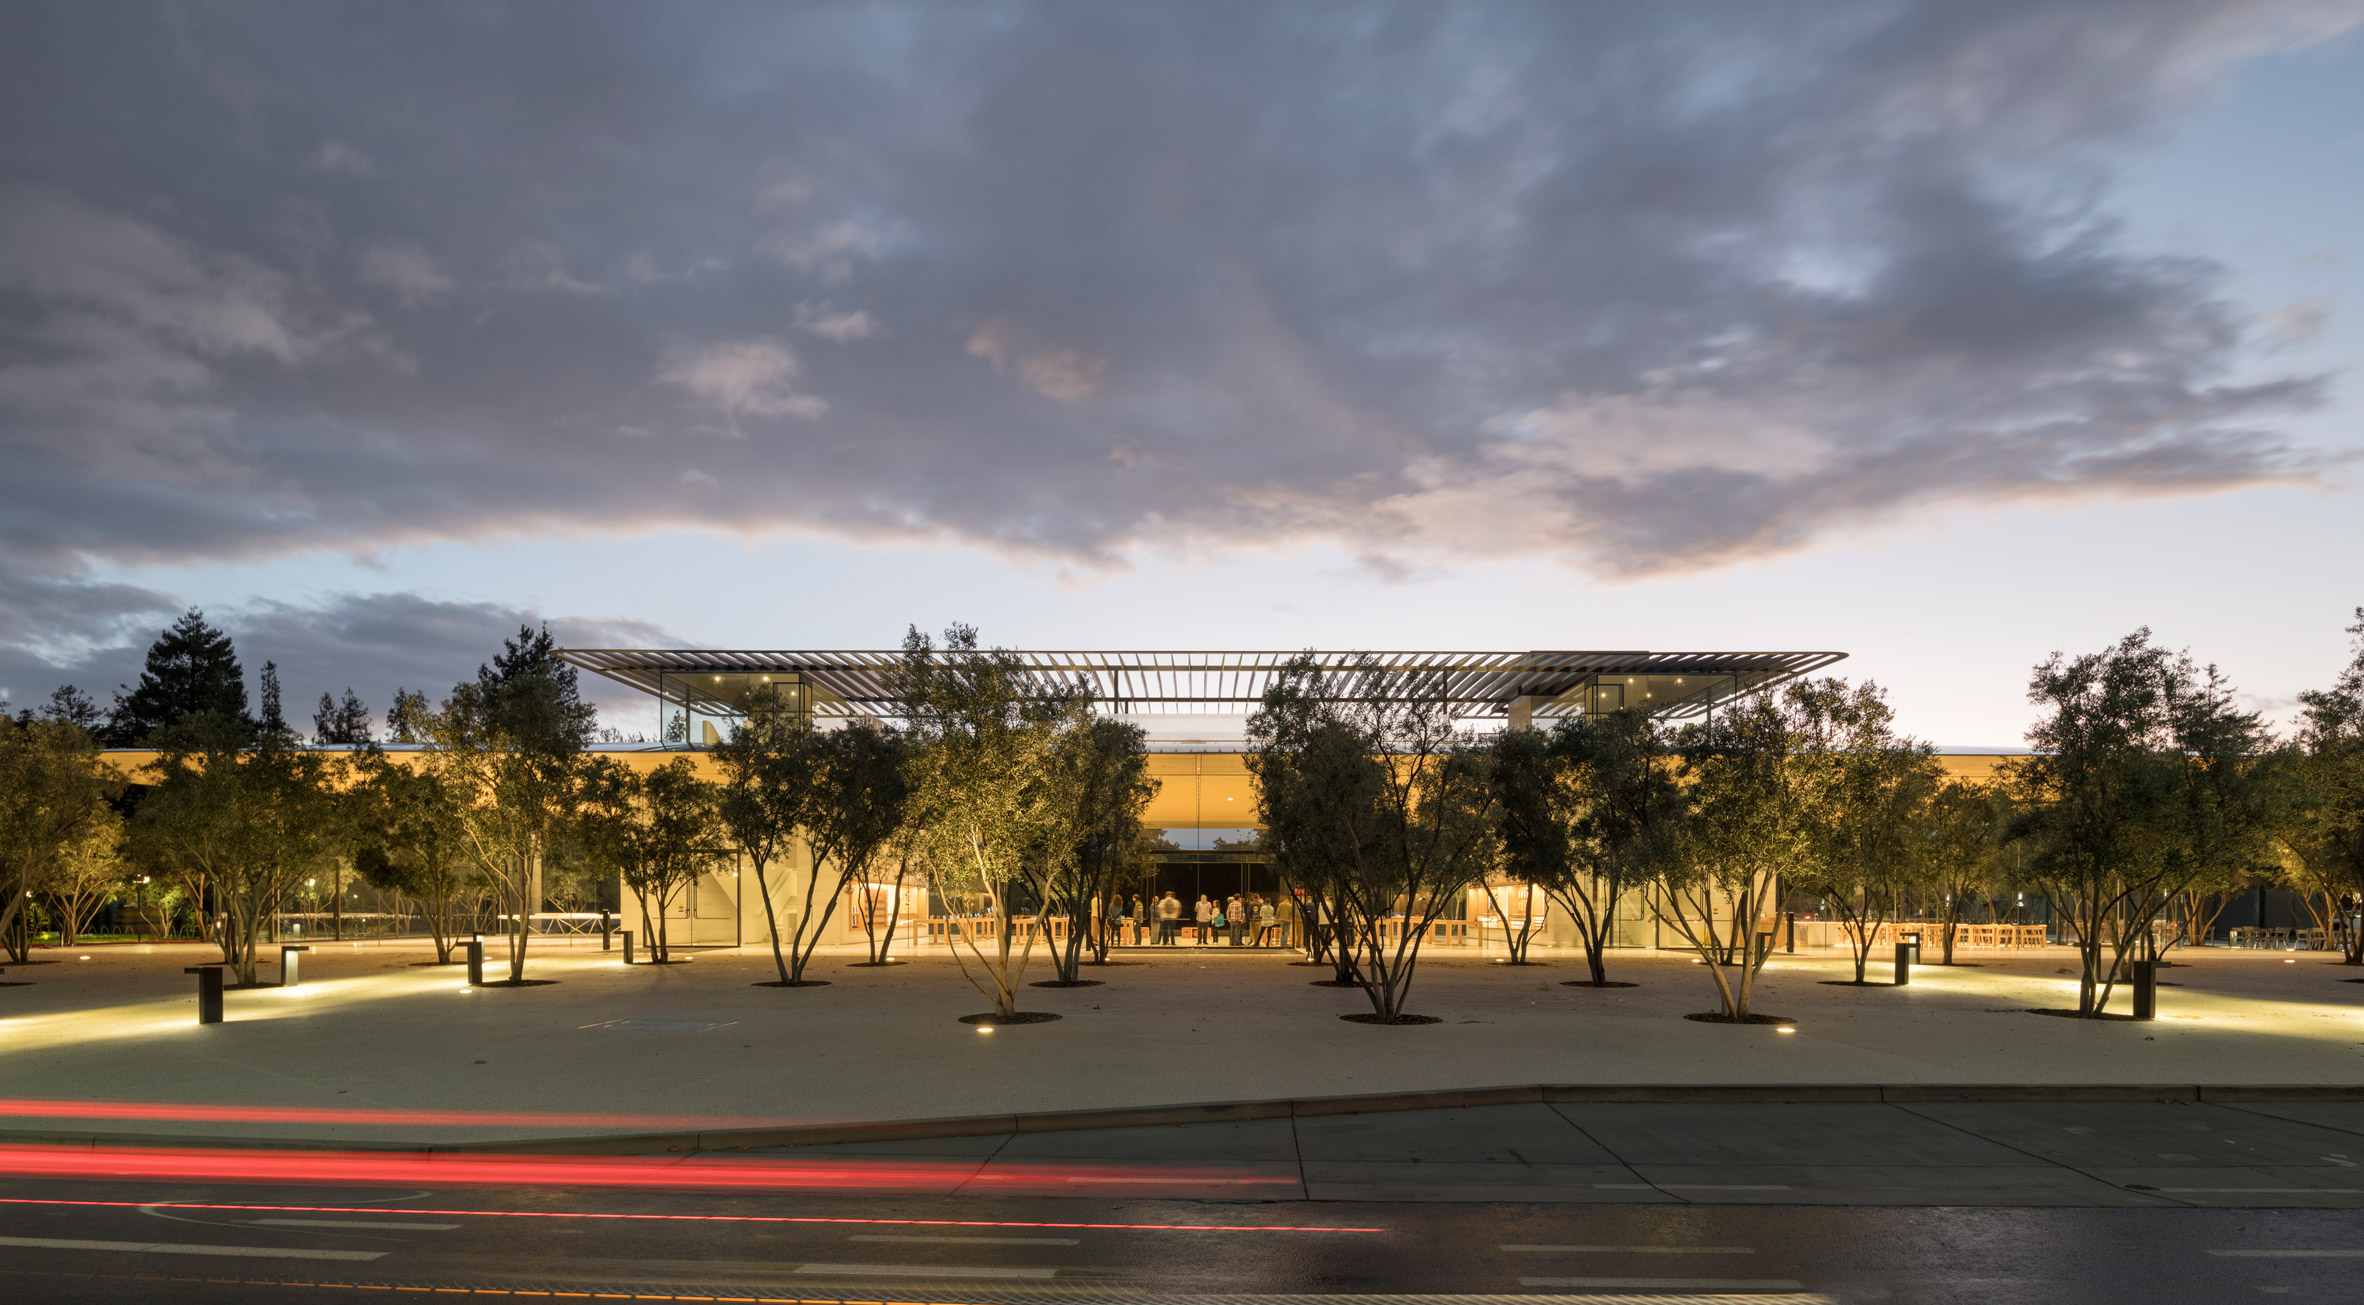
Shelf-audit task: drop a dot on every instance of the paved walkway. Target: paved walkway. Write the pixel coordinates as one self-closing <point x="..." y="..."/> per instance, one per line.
<point x="1938" y="1154"/>
<point x="374" y="1046"/>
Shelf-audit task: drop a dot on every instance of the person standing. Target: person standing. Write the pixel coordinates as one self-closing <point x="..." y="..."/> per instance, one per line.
<point x="1236" y="913"/>
<point x="1264" y="923"/>
<point x="1169" y="919"/>
<point x="1205" y="914"/>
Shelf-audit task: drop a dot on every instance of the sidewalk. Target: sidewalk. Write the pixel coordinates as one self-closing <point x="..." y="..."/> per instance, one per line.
<point x="609" y="1050"/>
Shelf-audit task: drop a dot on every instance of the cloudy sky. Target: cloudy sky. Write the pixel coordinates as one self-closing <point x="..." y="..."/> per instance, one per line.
<point x="1944" y="335"/>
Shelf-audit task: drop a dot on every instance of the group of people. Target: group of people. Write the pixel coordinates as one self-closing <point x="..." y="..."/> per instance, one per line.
<point x="1248" y="919"/>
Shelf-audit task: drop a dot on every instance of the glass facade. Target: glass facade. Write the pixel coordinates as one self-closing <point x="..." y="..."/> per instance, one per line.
<point x="699" y="709"/>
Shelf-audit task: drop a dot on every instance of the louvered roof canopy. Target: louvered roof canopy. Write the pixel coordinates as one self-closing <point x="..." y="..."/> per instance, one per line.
<point x="1551" y="683"/>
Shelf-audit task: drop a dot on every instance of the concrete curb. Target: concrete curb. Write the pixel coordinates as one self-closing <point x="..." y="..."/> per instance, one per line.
<point x="1220" y="1112"/>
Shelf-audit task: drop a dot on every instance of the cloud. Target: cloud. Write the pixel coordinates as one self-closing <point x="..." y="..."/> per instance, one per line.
<point x="742" y="378"/>
<point x="402" y="267"/>
<point x="342" y="156"/>
<point x="1638" y="289"/>
<point x="825" y="321"/>
<point x="539" y="265"/>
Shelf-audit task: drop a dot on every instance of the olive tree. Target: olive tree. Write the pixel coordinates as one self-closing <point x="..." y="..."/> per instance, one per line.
<point x="242" y="809"/>
<point x="2331" y="769"/>
<point x="90" y="869"/>
<point x="53" y="789"/>
<point x="1366" y="764"/>
<point x="2145" y="779"/>
<point x="411" y="840"/>
<point x="982" y="730"/>
<point x="767" y="766"/>
<point x="1961" y="827"/>
<point x="1867" y="848"/>
<point x="509" y="745"/>
<point x="1746" y="829"/>
<point x="1588" y="811"/>
<point x="657" y="832"/>
<point x="1096" y="785"/>
<point x="860" y="794"/>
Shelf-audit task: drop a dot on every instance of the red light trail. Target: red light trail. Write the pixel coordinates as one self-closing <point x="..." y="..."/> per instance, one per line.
<point x="692" y="1218"/>
<point x="444" y="1169"/>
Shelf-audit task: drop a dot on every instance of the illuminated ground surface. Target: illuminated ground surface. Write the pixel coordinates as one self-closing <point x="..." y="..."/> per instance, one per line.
<point x="369" y="1031"/>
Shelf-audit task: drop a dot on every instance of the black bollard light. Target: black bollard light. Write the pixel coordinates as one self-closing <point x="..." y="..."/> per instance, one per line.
<point x="290" y="969"/>
<point x="607" y="934"/>
<point x="1904" y="964"/>
<point x="1791" y="942"/>
<point x="209" y="992"/>
<point x="2146" y="990"/>
<point x="476" y="961"/>
<point x="627" y="947"/>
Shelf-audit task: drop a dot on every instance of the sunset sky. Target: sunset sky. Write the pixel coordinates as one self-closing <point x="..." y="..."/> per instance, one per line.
<point x="1943" y="335"/>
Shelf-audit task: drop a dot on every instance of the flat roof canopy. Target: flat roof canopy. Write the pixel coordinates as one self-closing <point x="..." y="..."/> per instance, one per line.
<point x="1553" y="683"/>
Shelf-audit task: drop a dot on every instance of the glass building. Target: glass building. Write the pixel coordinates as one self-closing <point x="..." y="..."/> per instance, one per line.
<point x="1194" y="708"/>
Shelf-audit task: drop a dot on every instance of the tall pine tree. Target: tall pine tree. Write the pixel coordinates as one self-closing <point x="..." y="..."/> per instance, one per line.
<point x="345" y="723"/>
<point x="191" y="668"/>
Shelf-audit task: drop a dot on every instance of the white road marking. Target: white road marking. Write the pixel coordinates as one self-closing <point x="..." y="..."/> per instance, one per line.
<point x="921" y="1271"/>
<point x="2291" y="1255"/>
<point x="1692" y="1187"/>
<point x="1669" y="1284"/>
<point x="2336" y="1191"/>
<point x="1638" y="1250"/>
<point x="967" y="1241"/>
<point x="354" y="1223"/>
<point x="182" y="1248"/>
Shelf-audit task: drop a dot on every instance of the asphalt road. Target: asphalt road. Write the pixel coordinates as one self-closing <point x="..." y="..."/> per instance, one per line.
<point x="145" y="1241"/>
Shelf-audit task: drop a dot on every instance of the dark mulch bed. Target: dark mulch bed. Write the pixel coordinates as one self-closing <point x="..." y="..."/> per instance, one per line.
<point x="1334" y="983"/>
<point x="1855" y="983"/>
<point x="872" y="965"/>
<point x="1324" y="964"/>
<point x="1367" y="1018"/>
<point x="791" y="983"/>
<point x="1536" y="963"/>
<point x="429" y="965"/>
<point x="1587" y="983"/>
<point x="678" y="960"/>
<point x="1113" y="962"/>
<point x="1022" y="1017"/>
<point x="2348" y="980"/>
<point x="517" y="983"/>
<point x="1065" y="983"/>
<point x="1719" y="1017"/>
<point x="2077" y="1015"/>
<point x="18" y="965"/>
<point x="12" y="983"/>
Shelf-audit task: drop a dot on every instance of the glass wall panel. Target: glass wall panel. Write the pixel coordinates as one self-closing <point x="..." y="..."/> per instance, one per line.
<point x="702" y="708"/>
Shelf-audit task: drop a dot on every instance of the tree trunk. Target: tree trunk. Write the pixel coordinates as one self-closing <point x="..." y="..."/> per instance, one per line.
<point x="771" y="917"/>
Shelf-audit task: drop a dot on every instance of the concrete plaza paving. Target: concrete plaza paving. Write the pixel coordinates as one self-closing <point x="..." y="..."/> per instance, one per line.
<point x="372" y="1036"/>
<point x="2072" y="1154"/>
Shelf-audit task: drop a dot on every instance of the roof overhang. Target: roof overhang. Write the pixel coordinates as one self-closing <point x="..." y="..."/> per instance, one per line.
<point x="1541" y="683"/>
